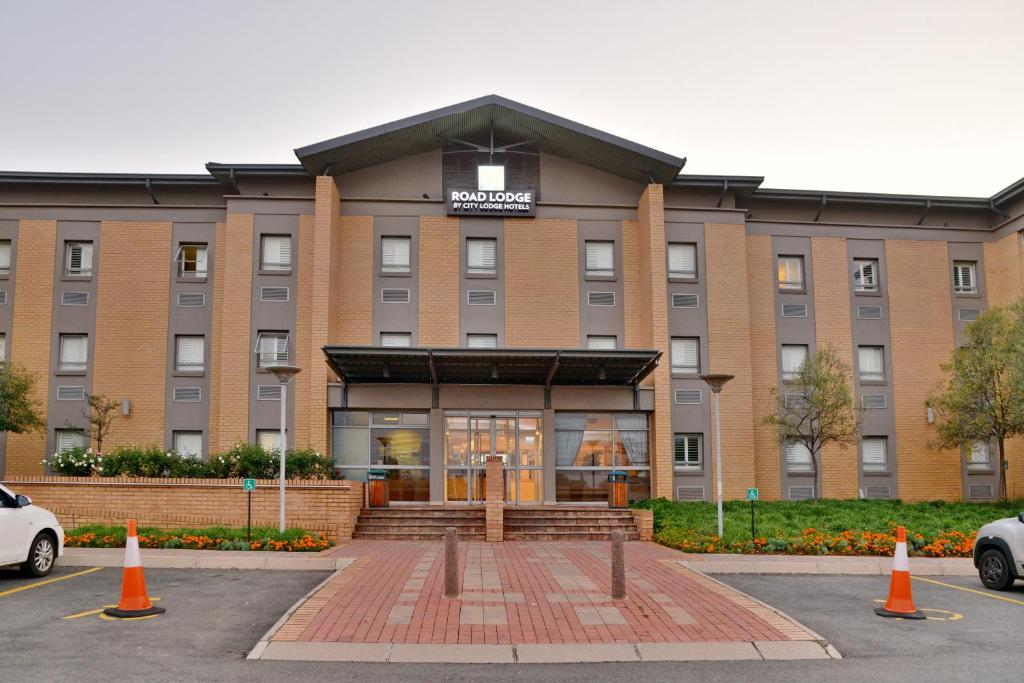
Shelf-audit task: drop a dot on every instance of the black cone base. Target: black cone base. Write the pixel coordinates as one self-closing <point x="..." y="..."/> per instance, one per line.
<point x="882" y="612"/>
<point x="133" y="613"/>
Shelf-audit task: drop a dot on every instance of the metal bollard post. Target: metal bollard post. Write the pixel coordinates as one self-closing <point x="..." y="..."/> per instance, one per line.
<point x="618" y="566"/>
<point x="451" y="562"/>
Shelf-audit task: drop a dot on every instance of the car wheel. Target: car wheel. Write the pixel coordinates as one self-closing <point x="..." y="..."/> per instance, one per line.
<point x="41" y="556"/>
<point x="994" y="570"/>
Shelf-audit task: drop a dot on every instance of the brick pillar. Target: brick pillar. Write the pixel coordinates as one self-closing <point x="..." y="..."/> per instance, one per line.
<point x="495" y="499"/>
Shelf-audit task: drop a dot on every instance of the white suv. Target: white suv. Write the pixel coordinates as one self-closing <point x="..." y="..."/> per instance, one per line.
<point x="29" y="535"/>
<point x="999" y="552"/>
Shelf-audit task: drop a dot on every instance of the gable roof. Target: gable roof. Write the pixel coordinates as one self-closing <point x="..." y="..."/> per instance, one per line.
<point x="511" y="121"/>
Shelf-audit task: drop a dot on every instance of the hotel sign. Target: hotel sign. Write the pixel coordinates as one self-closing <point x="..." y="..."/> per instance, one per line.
<point x="490" y="198"/>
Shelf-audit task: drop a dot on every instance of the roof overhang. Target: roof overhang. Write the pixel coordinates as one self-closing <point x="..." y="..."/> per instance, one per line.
<point x="509" y="120"/>
<point x="539" y="367"/>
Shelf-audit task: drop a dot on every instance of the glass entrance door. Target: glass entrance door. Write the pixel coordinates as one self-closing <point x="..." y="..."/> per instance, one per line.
<point x="471" y="437"/>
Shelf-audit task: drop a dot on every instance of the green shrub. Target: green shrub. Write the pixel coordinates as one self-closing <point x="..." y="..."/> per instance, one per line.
<point x="76" y="462"/>
<point x="306" y="463"/>
<point x="138" y="461"/>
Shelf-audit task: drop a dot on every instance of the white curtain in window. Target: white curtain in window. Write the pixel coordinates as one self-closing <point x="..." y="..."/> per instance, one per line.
<point x="68" y="439"/>
<point x="481" y="255"/>
<point x="978" y="458"/>
<point x="3" y="347"/>
<point x="682" y="260"/>
<point x="793" y="356"/>
<point x="277" y="252"/>
<point x="633" y="436"/>
<point x="201" y="260"/>
<point x="190" y="353"/>
<point x="74" y="351"/>
<point x="188" y="444"/>
<point x="798" y="456"/>
<point x="684" y="355"/>
<point x="791" y="272"/>
<point x="269" y="439"/>
<point x="394" y="254"/>
<point x="272" y="349"/>
<point x="869" y="360"/>
<point x="864" y="275"/>
<point x="873" y="452"/>
<point x="5" y="255"/>
<point x="600" y="258"/>
<point x="569" y="429"/>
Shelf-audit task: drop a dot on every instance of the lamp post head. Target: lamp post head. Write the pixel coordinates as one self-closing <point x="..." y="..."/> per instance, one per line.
<point x="284" y="373"/>
<point x="716" y="382"/>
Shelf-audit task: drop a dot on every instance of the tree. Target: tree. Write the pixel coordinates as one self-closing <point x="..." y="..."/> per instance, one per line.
<point x="981" y="399"/>
<point x="817" y="406"/>
<point x="100" y="413"/>
<point x="19" y="411"/>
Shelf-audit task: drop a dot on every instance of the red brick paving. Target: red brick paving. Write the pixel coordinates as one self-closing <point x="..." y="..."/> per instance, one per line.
<point x="539" y="585"/>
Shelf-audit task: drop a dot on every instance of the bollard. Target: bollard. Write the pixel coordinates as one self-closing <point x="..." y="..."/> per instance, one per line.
<point x="451" y="562"/>
<point x="618" y="566"/>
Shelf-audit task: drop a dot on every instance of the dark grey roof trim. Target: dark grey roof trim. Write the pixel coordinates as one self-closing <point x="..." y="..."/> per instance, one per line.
<point x="1008" y="194"/>
<point x="420" y="133"/>
<point x="42" y="178"/>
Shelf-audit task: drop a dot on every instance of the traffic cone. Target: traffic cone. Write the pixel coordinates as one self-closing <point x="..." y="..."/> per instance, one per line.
<point x="134" y="600"/>
<point x="900" y="603"/>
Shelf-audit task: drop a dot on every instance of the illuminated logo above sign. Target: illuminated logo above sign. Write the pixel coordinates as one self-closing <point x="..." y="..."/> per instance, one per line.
<point x="489" y="197"/>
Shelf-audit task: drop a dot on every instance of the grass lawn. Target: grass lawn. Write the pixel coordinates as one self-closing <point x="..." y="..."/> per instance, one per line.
<point x="847" y="527"/>
<point x="209" y="538"/>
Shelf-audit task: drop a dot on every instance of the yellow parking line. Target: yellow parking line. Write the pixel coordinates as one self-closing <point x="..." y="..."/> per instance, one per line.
<point x="48" y="581"/>
<point x="968" y="590"/>
<point x="95" y="611"/>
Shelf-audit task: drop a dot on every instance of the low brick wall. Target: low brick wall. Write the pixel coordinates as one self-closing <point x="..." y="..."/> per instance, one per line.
<point x="330" y="507"/>
<point x="644" y="523"/>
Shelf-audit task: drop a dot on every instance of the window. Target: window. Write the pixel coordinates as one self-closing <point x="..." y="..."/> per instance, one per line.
<point x="396" y="442"/>
<point x="74" y="352"/>
<point x="481" y="256"/>
<point x="870" y="363"/>
<point x="276" y="253"/>
<point x="873" y="453"/>
<point x="78" y="259"/>
<point x="482" y="341"/>
<point x="865" y="275"/>
<point x="602" y="343"/>
<point x="682" y="260"/>
<point x="490" y="178"/>
<point x="588" y="446"/>
<point x="798" y="457"/>
<point x="793" y="357"/>
<point x="188" y="444"/>
<point x="600" y="259"/>
<point x="191" y="261"/>
<point x="791" y="272"/>
<point x="189" y="353"/>
<point x="272" y="349"/>
<point x="394" y="254"/>
<point x="395" y="339"/>
<point x="3" y="346"/>
<point x="978" y="456"/>
<point x="70" y="438"/>
<point x="685" y="356"/>
<point x="5" y="257"/>
<point x="964" y="281"/>
<point x="686" y="451"/>
<point x="269" y="439"/>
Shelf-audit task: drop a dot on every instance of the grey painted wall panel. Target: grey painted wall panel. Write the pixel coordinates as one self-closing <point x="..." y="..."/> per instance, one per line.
<point x="482" y="319"/>
<point x="396" y="317"/>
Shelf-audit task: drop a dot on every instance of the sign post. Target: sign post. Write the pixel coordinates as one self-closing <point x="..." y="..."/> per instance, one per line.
<point x="752" y="494"/>
<point x="249" y="485"/>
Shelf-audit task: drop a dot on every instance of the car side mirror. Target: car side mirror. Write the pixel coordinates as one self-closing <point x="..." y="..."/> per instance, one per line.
<point x="1020" y="517"/>
<point x="22" y="501"/>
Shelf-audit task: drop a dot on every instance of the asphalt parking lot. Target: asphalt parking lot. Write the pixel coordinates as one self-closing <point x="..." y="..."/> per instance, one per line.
<point x="214" y="617"/>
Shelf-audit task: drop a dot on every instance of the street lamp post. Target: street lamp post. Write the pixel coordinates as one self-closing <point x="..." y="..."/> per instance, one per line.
<point x="716" y="382"/>
<point x="284" y="374"/>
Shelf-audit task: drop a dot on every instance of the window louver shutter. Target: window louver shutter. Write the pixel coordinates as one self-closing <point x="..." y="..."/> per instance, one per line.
<point x="682" y="260"/>
<point x="74" y="352"/>
<point x="797" y="455"/>
<point x="601" y="343"/>
<point x="792" y="358"/>
<point x="600" y="258"/>
<point x="481" y="256"/>
<point x="979" y="454"/>
<point x="189" y="444"/>
<point x="5" y="256"/>
<point x="395" y="340"/>
<point x="201" y="260"/>
<point x="482" y="341"/>
<point x="394" y="255"/>
<point x="684" y="354"/>
<point x="873" y="453"/>
<point x="68" y="439"/>
<point x="277" y="253"/>
<point x="190" y="353"/>
<point x="791" y="272"/>
<point x="870" y="361"/>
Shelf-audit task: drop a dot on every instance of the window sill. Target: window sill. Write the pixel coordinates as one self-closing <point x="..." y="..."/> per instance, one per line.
<point x="876" y="473"/>
<point x="867" y="292"/>
<point x="676" y="374"/>
<point x="689" y="471"/>
<point x="987" y="471"/>
<point x="201" y="280"/>
<point x="873" y="382"/>
<point x="188" y="373"/>
<point x="792" y="290"/>
<point x="404" y="274"/>
<point x="5" y="276"/>
<point x="481" y="276"/>
<point x="800" y="473"/>
<point x="683" y="278"/>
<point x="967" y="295"/>
<point x="75" y="278"/>
<point x="599" y="278"/>
<point x="71" y="373"/>
<point x="263" y="271"/>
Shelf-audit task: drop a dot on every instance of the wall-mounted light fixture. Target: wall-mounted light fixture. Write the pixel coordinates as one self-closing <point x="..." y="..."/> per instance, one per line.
<point x="931" y="415"/>
<point x="126" y="407"/>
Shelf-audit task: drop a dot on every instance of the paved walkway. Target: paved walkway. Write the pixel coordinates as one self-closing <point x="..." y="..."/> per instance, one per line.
<point x="523" y="598"/>
<point x="831" y="565"/>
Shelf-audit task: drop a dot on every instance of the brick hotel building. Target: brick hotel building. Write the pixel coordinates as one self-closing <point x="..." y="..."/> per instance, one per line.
<point x="490" y="279"/>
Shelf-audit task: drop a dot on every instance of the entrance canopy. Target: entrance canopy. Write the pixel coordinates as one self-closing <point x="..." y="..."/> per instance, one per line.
<point x="542" y="367"/>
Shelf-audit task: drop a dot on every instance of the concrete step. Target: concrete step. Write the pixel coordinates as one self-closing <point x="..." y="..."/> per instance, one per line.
<point x="413" y="535"/>
<point x="567" y="536"/>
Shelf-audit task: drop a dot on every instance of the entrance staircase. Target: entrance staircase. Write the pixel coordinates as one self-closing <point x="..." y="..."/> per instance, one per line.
<point x="521" y="523"/>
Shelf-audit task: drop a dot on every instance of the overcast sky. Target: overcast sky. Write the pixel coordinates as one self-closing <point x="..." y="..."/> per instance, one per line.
<point x="921" y="97"/>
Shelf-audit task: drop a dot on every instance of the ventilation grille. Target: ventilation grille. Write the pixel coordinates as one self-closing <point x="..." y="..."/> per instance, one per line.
<point x="688" y="396"/>
<point x="601" y="298"/>
<point x="794" y="401"/>
<point x="74" y="298"/>
<point x="273" y="294"/>
<point x="3" y="296"/>
<point x="481" y="297"/>
<point x="969" y="313"/>
<point x="268" y="392"/>
<point x="689" y="493"/>
<point x="191" y="300"/>
<point x="794" y="310"/>
<point x="980" y="491"/>
<point x="873" y="401"/>
<point x="877" y="492"/>
<point x="394" y="296"/>
<point x="685" y="301"/>
<point x="801" y="492"/>
<point x="188" y="394"/>
<point x="70" y="393"/>
<point x="869" y="312"/>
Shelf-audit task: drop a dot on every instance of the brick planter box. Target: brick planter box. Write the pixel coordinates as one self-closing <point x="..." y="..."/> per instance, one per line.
<point x="326" y="506"/>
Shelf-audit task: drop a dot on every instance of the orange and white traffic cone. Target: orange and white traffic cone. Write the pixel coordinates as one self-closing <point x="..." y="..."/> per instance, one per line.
<point x="900" y="603"/>
<point x="134" y="600"/>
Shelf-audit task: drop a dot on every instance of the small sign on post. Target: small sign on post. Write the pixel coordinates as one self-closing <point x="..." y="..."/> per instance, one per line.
<point x="752" y="494"/>
<point x="248" y="485"/>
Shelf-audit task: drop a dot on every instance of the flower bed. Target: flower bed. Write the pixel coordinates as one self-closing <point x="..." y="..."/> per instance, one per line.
<point x="213" y="538"/>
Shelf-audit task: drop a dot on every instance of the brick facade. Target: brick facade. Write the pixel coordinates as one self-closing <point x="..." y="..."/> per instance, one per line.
<point x="352" y="283"/>
<point x="764" y="370"/>
<point x="439" y="281"/>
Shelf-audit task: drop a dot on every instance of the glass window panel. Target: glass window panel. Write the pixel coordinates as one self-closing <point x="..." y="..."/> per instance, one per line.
<point x="638" y="484"/>
<point x="388" y="419"/>
<point x="600" y="258"/>
<point x="631" y="449"/>
<point x="682" y="260"/>
<point x="351" y="418"/>
<point x="685" y="355"/>
<point x="5" y="257"/>
<point x="395" y="339"/>
<point x="394" y="255"/>
<point x="870" y="362"/>
<point x="456" y="485"/>
<point x="400" y="447"/>
<point x="409" y="486"/>
<point x="793" y="357"/>
<point x="530" y="438"/>
<point x="188" y="444"/>
<point x="481" y="255"/>
<point x="873" y="452"/>
<point x="269" y="439"/>
<point x="415" y="419"/>
<point x="964" y="281"/>
<point x="276" y="252"/>
<point x="358" y="474"/>
<point x="865" y="275"/>
<point x="482" y="341"/>
<point x="74" y="351"/>
<point x="978" y="456"/>
<point x="798" y="456"/>
<point x="457" y="447"/>
<point x="581" y="487"/>
<point x="596" y="450"/>
<point x="791" y="272"/>
<point x="351" y="446"/>
<point x="602" y="343"/>
<point x="527" y="485"/>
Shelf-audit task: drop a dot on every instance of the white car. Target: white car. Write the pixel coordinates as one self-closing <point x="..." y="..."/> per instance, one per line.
<point x="999" y="552"/>
<point x="30" y="536"/>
